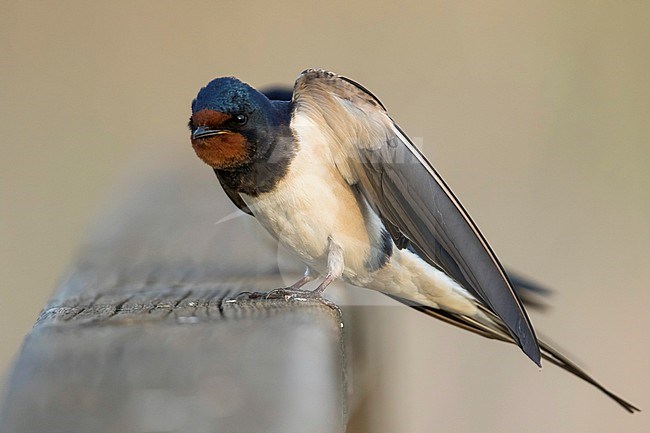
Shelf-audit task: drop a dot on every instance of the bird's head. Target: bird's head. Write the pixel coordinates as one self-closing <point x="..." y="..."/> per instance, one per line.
<point x="232" y="124"/>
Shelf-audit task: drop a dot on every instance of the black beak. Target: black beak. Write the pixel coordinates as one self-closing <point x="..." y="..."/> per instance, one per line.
<point x="204" y="131"/>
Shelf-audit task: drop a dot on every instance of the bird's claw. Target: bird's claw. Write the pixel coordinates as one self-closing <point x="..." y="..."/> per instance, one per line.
<point x="286" y="293"/>
<point x="289" y="294"/>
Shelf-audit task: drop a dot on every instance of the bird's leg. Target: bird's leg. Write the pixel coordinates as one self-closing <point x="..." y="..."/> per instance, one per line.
<point x="306" y="278"/>
<point x="335" y="267"/>
<point x="293" y="289"/>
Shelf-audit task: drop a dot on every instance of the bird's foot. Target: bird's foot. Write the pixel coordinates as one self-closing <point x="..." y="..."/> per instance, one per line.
<point x="286" y="293"/>
<point x="298" y="295"/>
<point x="291" y="294"/>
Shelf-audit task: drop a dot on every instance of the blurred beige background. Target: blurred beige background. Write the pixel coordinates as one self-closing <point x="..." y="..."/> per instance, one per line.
<point x="536" y="113"/>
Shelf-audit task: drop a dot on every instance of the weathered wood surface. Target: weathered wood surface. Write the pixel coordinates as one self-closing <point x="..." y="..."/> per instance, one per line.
<point x="146" y="333"/>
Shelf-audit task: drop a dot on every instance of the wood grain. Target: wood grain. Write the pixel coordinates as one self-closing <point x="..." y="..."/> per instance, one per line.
<point x="147" y="332"/>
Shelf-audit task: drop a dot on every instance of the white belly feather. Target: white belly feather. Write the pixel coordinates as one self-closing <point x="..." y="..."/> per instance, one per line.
<point x="309" y="205"/>
<point x="314" y="203"/>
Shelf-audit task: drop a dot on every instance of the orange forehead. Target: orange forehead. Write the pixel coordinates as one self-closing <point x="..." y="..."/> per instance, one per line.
<point x="207" y="117"/>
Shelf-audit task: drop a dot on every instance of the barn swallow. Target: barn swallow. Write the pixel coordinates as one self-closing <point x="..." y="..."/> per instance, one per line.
<point x="340" y="185"/>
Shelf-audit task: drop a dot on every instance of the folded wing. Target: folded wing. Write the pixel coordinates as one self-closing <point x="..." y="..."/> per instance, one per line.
<point x="413" y="201"/>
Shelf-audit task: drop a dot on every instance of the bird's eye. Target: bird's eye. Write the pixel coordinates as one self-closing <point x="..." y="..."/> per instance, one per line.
<point x="241" y="119"/>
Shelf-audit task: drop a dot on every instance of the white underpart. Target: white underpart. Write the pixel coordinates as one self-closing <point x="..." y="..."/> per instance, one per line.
<point x="410" y="277"/>
<point x="314" y="203"/>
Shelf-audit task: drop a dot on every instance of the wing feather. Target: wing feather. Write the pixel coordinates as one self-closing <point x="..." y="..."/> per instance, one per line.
<point x="234" y="196"/>
<point x="413" y="201"/>
<point x="548" y="352"/>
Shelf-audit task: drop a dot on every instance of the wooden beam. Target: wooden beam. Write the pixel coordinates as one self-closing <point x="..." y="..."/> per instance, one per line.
<point x="147" y="332"/>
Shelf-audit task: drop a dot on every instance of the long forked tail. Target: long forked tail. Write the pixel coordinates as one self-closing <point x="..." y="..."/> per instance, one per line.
<point x="498" y="332"/>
